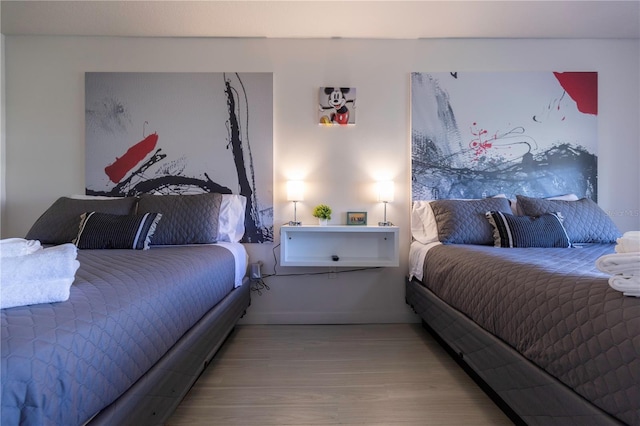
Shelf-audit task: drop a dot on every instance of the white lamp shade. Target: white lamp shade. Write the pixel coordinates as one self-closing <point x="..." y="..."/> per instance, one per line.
<point x="385" y="191"/>
<point x="295" y="190"/>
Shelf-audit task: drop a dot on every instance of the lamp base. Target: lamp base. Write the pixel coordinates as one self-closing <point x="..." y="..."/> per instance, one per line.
<point x="294" y="223"/>
<point x="385" y="224"/>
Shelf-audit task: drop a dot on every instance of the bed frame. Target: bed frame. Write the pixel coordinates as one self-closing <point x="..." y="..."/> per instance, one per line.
<point x="156" y="395"/>
<point x="532" y="396"/>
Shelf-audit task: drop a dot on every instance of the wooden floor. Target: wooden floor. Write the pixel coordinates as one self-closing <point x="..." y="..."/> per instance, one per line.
<point x="388" y="375"/>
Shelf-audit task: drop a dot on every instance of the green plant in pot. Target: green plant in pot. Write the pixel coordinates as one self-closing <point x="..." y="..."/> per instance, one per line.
<point x="323" y="213"/>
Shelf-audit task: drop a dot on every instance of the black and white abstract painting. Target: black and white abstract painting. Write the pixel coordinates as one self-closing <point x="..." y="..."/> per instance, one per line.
<point x="183" y="133"/>
<point x="477" y="134"/>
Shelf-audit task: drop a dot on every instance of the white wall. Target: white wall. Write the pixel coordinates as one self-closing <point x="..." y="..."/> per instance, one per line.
<point x="2" y="130"/>
<point x="3" y="138"/>
<point x="45" y="134"/>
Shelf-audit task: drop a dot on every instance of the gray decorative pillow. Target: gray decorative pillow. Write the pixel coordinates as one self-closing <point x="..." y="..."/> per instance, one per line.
<point x="584" y="220"/>
<point x="186" y="219"/>
<point x="527" y="231"/>
<point x="59" y="223"/>
<point x="464" y="222"/>
<point x="112" y="231"/>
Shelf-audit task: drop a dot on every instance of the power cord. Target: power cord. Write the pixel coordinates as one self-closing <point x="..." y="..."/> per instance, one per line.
<point x="258" y="286"/>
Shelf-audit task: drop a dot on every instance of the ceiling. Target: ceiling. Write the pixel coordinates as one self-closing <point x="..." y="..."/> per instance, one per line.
<point x="325" y="19"/>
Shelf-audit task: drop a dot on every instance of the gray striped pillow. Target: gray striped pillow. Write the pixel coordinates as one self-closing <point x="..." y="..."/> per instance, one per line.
<point x="527" y="231"/>
<point x="110" y="231"/>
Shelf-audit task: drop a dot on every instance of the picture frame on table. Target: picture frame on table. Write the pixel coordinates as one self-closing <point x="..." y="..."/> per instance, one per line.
<point x="357" y="218"/>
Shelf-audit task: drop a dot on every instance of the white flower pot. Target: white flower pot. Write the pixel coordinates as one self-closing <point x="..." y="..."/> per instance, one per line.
<point x="323" y="222"/>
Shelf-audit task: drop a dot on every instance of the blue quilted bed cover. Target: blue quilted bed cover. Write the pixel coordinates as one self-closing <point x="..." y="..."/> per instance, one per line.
<point x="64" y="362"/>
<point x="554" y="307"/>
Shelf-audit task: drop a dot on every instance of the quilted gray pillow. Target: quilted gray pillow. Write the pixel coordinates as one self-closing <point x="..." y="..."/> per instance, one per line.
<point x="584" y="220"/>
<point x="186" y="219"/>
<point x="464" y="222"/>
<point x="59" y="224"/>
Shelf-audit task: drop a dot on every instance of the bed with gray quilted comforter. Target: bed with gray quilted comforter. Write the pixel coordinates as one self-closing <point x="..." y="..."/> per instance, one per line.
<point x="64" y="362"/>
<point x="554" y="308"/>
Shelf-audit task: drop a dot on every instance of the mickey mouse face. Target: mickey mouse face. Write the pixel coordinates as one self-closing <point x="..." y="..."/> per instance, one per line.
<point x="336" y="96"/>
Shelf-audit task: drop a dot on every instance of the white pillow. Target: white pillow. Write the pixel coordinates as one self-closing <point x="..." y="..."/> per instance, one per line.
<point x="231" y="219"/>
<point x="565" y="197"/>
<point x="93" y="197"/>
<point x="423" y="223"/>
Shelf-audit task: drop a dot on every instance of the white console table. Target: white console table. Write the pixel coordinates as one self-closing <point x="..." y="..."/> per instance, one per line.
<point x="337" y="246"/>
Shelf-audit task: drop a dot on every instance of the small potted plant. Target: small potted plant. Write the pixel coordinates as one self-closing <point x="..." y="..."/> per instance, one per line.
<point x="323" y="213"/>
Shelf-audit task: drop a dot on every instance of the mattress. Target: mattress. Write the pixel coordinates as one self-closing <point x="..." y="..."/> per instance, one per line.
<point x="62" y="363"/>
<point x="553" y="307"/>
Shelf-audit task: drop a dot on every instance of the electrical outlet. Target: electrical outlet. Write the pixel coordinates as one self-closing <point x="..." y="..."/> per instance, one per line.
<point x="254" y="271"/>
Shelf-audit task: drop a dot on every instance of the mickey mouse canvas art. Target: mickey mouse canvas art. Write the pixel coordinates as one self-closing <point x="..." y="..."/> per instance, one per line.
<point x="333" y="106"/>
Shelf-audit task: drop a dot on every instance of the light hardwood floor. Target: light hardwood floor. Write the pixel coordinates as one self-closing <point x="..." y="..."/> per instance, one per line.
<point x="393" y="374"/>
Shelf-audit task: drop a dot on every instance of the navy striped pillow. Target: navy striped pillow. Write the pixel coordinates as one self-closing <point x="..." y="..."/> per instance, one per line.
<point x="527" y="231"/>
<point x="110" y="231"/>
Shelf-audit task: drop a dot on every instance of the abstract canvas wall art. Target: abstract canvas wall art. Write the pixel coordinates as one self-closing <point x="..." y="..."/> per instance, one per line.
<point x="181" y="133"/>
<point x="476" y="134"/>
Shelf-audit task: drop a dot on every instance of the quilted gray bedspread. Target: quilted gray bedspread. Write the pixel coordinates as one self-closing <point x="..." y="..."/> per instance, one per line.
<point x="554" y="307"/>
<point x="63" y="362"/>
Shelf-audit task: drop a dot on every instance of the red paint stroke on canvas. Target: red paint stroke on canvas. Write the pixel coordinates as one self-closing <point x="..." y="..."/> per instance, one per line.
<point x="583" y="89"/>
<point x="133" y="156"/>
<point x="479" y="145"/>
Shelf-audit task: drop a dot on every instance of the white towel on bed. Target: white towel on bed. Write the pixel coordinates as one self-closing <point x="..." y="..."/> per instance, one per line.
<point x="11" y="247"/>
<point x="48" y="291"/>
<point x="629" y="242"/>
<point x="626" y="264"/>
<point x="629" y="286"/>
<point x="625" y="271"/>
<point x="44" y="276"/>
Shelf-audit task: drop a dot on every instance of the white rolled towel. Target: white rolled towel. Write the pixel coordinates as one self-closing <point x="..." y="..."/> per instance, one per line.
<point x="628" y="243"/>
<point x="44" y="276"/>
<point x="629" y="286"/>
<point x="625" y="264"/>
<point x="12" y="247"/>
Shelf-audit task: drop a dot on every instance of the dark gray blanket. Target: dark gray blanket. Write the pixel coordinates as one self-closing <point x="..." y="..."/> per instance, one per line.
<point x="554" y="307"/>
<point x="63" y="362"/>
